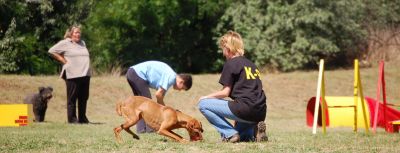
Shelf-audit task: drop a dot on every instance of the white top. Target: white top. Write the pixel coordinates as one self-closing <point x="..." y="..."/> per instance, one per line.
<point x="77" y="56"/>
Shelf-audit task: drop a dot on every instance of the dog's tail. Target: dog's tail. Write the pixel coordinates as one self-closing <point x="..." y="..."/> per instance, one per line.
<point x="119" y="107"/>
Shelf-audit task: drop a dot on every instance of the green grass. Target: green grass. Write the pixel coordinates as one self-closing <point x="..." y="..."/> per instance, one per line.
<point x="287" y="94"/>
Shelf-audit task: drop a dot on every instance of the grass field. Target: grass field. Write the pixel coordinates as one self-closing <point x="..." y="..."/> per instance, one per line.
<point x="287" y="94"/>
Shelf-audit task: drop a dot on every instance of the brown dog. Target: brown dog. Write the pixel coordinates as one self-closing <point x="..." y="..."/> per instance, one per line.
<point x="161" y="118"/>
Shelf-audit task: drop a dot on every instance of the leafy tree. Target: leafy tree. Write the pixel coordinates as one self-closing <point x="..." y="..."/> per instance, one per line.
<point x="282" y="34"/>
<point x="289" y="35"/>
<point x="10" y="41"/>
<point x="29" y="28"/>
<point x="178" y="32"/>
<point x="382" y="21"/>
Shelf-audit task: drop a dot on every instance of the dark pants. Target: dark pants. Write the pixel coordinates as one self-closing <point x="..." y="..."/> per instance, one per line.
<point x="77" y="89"/>
<point x="139" y="88"/>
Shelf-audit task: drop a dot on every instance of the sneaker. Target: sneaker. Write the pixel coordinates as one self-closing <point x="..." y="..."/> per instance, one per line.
<point x="259" y="132"/>
<point x="233" y="139"/>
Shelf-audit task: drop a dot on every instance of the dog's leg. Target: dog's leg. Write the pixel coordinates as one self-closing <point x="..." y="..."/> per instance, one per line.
<point x="117" y="130"/>
<point x="175" y="134"/>
<point x="37" y="118"/>
<point x="42" y="114"/>
<point x="181" y="138"/>
<point x="170" y="119"/>
<point x="172" y="135"/>
<point x="130" y="132"/>
<point x="132" y="120"/>
<point x="126" y="127"/>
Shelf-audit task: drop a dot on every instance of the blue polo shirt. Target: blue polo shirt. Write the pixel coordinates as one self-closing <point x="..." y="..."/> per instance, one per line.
<point x="156" y="73"/>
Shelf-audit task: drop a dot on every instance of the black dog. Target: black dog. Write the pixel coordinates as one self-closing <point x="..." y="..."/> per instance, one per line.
<point x="39" y="102"/>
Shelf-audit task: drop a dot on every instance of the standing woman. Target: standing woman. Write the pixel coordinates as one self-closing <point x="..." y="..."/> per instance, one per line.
<point x="72" y="53"/>
<point x="241" y="82"/>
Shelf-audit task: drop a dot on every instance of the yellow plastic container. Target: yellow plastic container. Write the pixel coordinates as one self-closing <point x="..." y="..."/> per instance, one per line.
<point x="16" y="115"/>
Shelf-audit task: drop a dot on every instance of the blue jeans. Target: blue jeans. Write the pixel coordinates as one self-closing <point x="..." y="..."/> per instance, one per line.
<point x="217" y="110"/>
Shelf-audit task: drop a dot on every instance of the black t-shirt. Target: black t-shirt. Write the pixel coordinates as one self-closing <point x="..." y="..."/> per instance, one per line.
<point x="246" y="89"/>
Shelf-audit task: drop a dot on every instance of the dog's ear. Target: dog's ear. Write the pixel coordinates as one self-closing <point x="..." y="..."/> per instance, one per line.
<point x="41" y="89"/>
<point x="50" y="88"/>
<point x="190" y="124"/>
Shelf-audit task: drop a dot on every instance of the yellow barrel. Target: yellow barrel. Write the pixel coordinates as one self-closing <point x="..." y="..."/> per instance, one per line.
<point x="340" y="112"/>
<point x="15" y="114"/>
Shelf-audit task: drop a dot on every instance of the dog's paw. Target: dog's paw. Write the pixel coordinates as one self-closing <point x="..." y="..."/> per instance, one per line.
<point x="119" y="140"/>
<point x="136" y="137"/>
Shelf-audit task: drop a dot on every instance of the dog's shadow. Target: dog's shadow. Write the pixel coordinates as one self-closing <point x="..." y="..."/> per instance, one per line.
<point x="42" y="122"/>
<point x="96" y="123"/>
<point x="51" y="122"/>
<point x="90" y="123"/>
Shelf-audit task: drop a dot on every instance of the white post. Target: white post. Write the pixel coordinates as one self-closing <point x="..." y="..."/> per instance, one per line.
<point x="318" y="97"/>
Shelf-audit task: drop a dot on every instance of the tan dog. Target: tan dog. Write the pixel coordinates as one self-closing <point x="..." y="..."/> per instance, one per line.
<point x="161" y="118"/>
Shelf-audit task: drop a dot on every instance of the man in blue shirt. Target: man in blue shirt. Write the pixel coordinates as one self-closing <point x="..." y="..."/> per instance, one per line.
<point x="156" y="75"/>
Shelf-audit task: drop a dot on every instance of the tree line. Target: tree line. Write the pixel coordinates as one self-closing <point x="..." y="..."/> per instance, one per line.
<point x="283" y="35"/>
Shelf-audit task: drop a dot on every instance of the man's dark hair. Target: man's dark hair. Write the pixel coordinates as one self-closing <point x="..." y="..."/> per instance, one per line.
<point x="188" y="80"/>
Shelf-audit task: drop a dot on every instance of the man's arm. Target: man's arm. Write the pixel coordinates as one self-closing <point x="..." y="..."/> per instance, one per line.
<point x="160" y="96"/>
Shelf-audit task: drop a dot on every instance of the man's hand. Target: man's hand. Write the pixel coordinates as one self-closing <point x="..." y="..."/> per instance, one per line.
<point x="160" y="96"/>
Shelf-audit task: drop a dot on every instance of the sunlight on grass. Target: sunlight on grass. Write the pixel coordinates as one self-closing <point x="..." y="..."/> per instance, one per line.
<point x="287" y="94"/>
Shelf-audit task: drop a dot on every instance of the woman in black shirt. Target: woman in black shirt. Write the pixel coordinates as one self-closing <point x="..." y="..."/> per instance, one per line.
<point x="241" y="82"/>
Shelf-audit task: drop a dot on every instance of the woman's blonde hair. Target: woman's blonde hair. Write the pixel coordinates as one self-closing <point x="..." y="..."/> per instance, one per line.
<point x="69" y="31"/>
<point x="233" y="41"/>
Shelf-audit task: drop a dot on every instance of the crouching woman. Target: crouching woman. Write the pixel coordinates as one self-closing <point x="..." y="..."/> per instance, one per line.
<point x="241" y="82"/>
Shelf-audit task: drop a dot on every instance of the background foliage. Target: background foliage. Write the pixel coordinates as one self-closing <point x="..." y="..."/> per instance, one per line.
<point x="291" y="34"/>
<point x="284" y="35"/>
<point x="28" y="29"/>
<point x="178" y="32"/>
<point x="55" y="135"/>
